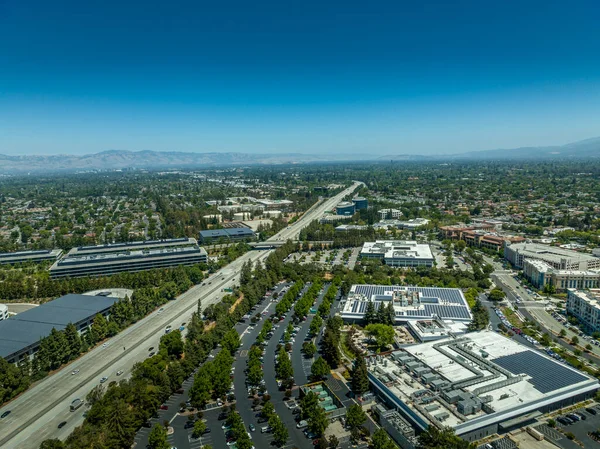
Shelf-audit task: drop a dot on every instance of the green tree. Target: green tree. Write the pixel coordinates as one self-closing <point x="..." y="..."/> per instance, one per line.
<point x="563" y="333"/>
<point x="333" y="442"/>
<point x="309" y="348"/>
<point x="308" y="404"/>
<point x="172" y="343"/>
<point x="382" y="333"/>
<point x="52" y="444"/>
<point x="99" y="327"/>
<point x="319" y="369"/>
<point x="73" y="341"/>
<point x="381" y="440"/>
<point x="199" y="428"/>
<point x="496" y="294"/>
<point x="331" y="350"/>
<point x="158" y="438"/>
<point x="317" y="421"/>
<point x="280" y="432"/>
<point x="370" y="315"/>
<point x="575" y="340"/>
<point x="231" y="341"/>
<point x="359" y="378"/>
<point x="284" y="369"/>
<point x="433" y="438"/>
<point x="355" y="416"/>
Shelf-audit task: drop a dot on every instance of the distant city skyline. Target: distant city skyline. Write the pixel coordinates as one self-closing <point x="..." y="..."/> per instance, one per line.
<point x="315" y="77"/>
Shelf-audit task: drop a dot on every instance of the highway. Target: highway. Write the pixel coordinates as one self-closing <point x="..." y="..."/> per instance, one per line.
<point x="35" y="414"/>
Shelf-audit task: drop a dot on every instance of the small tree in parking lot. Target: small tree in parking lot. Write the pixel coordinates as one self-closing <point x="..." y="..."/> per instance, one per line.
<point x="199" y="428"/>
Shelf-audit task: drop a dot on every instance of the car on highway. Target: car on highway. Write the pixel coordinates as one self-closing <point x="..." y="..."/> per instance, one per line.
<point x="75" y="371"/>
<point x="151" y="354"/>
<point x="161" y="310"/>
<point x="5" y="414"/>
<point x="105" y="345"/>
<point x="104" y="379"/>
<point x="151" y="348"/>
<point x="168" y="329"/>
<point x="119" y="372"/>
<point x="62" y="424"/>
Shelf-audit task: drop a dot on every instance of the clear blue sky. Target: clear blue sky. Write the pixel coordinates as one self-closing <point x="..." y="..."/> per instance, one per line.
<point x="359" y="77"/>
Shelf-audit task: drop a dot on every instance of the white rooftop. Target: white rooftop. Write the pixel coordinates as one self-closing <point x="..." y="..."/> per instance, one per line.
<point x="391" y="249"/>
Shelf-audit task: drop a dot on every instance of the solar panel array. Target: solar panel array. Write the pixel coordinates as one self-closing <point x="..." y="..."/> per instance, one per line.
<point x="450" y="295"/>
<point x="546" y="375"/>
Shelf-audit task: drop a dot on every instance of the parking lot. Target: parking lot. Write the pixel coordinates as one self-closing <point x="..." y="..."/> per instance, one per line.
<point x="581" y="428"/>
<point x="330" y="257"/>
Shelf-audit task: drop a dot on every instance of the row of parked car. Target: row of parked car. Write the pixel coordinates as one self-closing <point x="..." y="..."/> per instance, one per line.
<point x="571" y="418"/>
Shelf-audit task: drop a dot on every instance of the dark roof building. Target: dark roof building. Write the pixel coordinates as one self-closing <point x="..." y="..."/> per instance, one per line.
<point x="29" y="256"/>
<point x="20" y="334"/>
<point x="104" y="260"/>
<point x="228" y="234"/>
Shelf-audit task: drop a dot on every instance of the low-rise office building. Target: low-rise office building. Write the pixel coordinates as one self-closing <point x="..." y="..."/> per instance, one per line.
<point x="479" y="384"/>
<point x="226" y="235"/>
<point x="389" y="213"/>
<point x="20" y="334"/>
<point x="479" y="236"/>
<point x="540" y="274"/>
<point x="29" y="256"/>
<point x="345" y="208"/>
<point x="274" y="204"/>
<point x="104" y="260"/>
<point x="585" y="306"/>
<point x="360" y="203"/>
<point x="409" y="303"/>
<point x="399" y="253"/>
<point x="556" y="257"/>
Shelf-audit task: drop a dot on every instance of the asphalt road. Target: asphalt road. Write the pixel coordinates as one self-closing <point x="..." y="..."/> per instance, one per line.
<point x="35" y="414"/>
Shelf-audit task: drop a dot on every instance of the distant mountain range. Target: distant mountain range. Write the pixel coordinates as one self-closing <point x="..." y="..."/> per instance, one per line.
<point x="117" y="159"/>
<point x="583" y="149"/>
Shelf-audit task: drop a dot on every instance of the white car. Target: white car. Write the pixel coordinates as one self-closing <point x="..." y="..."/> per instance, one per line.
<point x="75" y="371"/>
<point x="105" y="345"/>
<point x="119" y="372"/>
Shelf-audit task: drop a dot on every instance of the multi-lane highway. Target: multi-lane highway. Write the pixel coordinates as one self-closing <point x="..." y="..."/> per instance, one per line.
<point x="35" y="414"/>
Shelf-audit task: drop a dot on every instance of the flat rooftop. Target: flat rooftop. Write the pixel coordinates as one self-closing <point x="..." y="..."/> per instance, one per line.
<point x="391" y="249"/>
<point x="482" y="378"/>
<point x="26" y="328"/>
<point x="548" y="252"/>
<point x="410" y="303"/>
<point x="24" y="256"/>
<point x="132" y="246"/>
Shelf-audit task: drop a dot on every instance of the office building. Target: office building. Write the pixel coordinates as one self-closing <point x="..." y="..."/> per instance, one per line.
<point x="556" y="257"/>
<point x="540" y="274"/>
<point x="226" y="235"/>
<point x="29" y="256"/>
<point x="399" y="253"/>
<point x="347" y="227"/>
<point x="479" y="384"/>
<point x="104" y="260"/>
<point x="274" y="204"/>
<point x="389" y="214"/>
<point x="585" y="306"/>
<point x="479" y="236"/>
<point x="20" y="334"/>
<point x="409" y="303"/>
<point x="345" y="208"/>
<point x="360" y="203"/>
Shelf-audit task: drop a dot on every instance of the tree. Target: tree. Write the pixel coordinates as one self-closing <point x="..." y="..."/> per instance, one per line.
<point x="333" y="442"/>
<point x="73" y="341"/>
<point x="381" y="440"/>
<point x="172" y="344"/>
<point x="575" y="340"/>
<point x="319" y="369"/>
<point x="268" y="410"/>
<point x="355" y="416"/>
<point x="359" y="379"/>
<point x="280" y="432"/>
<point x="460" y="246"/>
<point x="563" y="333"/>
<point x="52" y="444"/>
<point x="95" y="395"/>
<point x="231" y="341"/>
<point x="382" y="333"/>
<point x="284" y="369"/>
<point x="199" y="428"/>
<point x="496" y="294"/>
<point x="370" y="315"/>
<point x="329" y="346"/>
<point x="158" y="438"/>
<point x="309" y="348"/>
<point x="308" y="404"/>
<point x="317" y="421"/>
<point x="433" y="438"/>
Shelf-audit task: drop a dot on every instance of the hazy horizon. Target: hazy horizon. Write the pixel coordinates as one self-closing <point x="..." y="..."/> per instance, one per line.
<point x="313" y="78"/>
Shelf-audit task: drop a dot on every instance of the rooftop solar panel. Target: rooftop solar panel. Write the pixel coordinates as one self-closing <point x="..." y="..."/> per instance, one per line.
<point x="546" y="375"/>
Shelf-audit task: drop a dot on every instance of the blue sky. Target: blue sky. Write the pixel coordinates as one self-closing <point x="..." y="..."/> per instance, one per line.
<point x="351" y="77"/>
